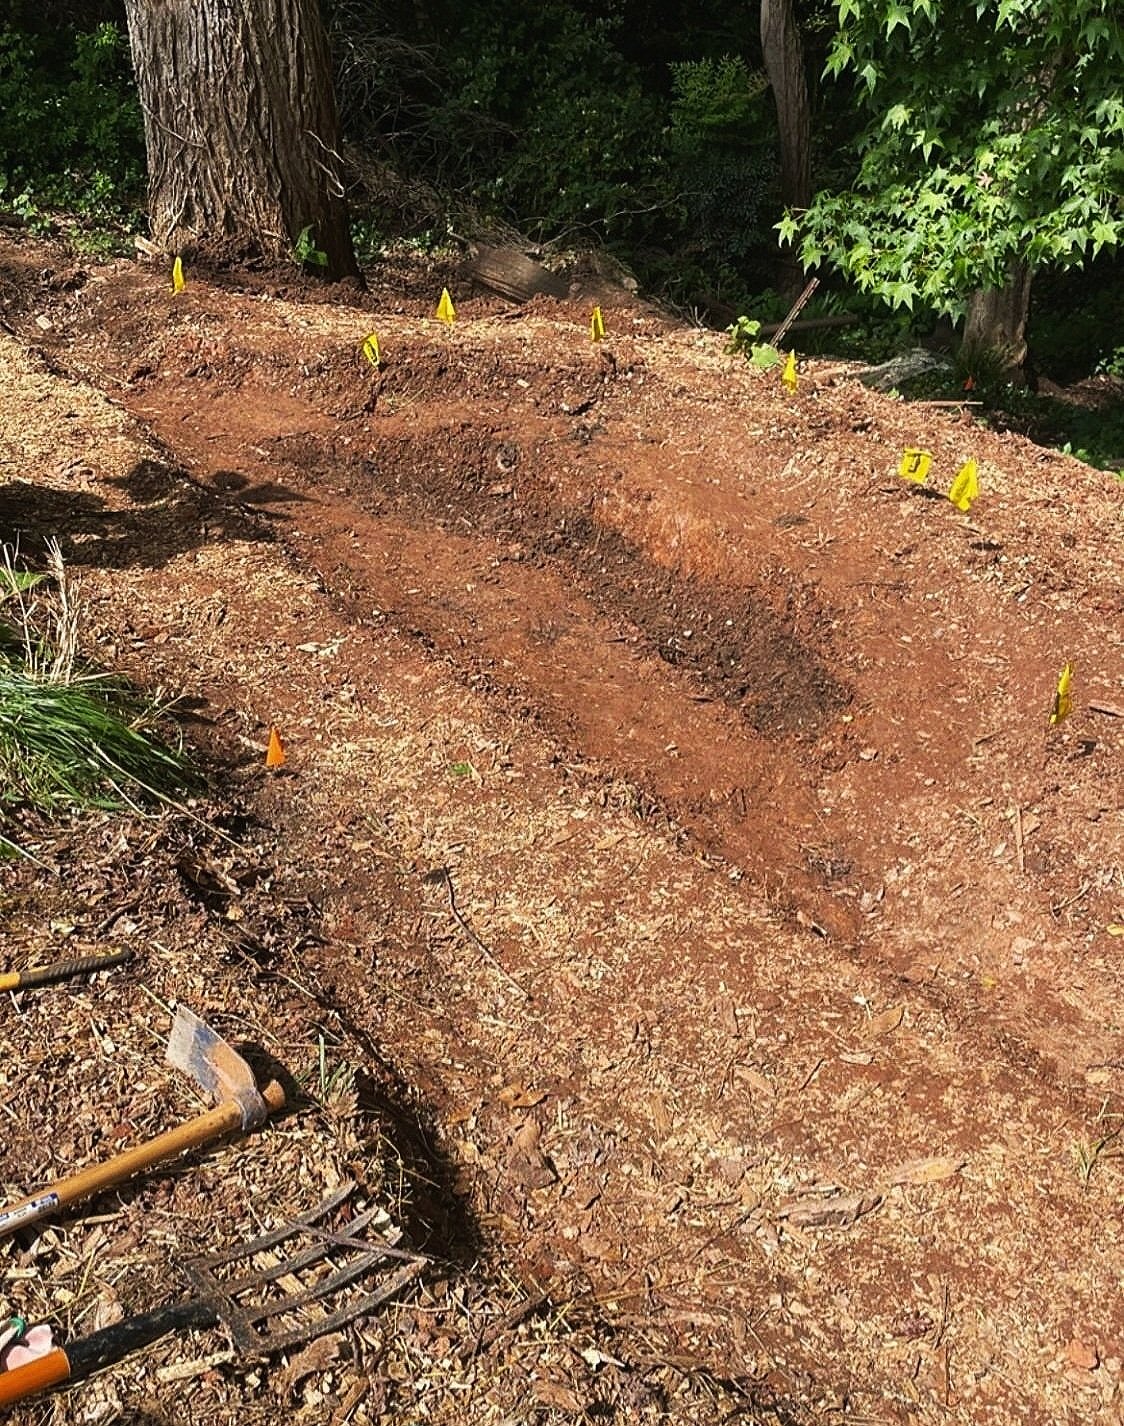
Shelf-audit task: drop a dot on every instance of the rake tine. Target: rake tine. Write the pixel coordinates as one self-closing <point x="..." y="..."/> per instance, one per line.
<point x="388" y="1250"/>
<point x="278" y="1235"/>
<point x="273" y="1341"/>
<point x="324" y="1288"/>
<point x="231" y="1287"/>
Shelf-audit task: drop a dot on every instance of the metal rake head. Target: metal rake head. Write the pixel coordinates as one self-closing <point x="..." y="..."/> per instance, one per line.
<point x="308" y="1277"/>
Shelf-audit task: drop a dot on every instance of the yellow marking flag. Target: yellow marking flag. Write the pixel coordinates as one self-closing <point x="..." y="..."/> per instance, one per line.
<point x="177" y="275"/>
<point x="788" y="376"/>
<point x="915" y="465"/>
<point x="596" y="326"/>
<point x="371" y="349"/>
<point x="1063" y="699"/>
<point x="966" y="486"/>
<point x="446" y="312"/>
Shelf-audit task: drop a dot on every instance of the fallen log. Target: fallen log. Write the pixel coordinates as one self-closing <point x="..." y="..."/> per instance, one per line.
<point x="513" y="275"/>
<point x="810" y="324"/>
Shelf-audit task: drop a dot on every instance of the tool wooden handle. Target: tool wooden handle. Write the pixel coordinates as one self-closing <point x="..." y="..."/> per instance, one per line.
<point x="35" y="1376"/>
<point x="62" y="970"/>
<point x="204" y="1129"/>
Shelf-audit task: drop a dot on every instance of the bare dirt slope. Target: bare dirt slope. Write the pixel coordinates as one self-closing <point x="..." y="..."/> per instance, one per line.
<point x="671" y="811"/>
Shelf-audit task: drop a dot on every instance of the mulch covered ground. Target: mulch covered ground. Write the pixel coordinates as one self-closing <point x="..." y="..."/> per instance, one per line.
<point x="674" y="911"/>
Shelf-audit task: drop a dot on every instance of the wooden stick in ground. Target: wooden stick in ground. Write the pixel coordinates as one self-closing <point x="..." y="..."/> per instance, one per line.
<point x="797" y="307"/>
<point x="442" y="874"/>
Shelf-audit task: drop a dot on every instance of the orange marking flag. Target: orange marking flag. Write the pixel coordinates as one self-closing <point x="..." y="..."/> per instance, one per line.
<point x="275" y="753"/>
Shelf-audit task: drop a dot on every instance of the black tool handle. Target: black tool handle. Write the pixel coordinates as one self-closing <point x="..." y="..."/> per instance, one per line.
<point x="100" y="1349"/>
<point x="62" y="970"/>
<point x="113" y="1344"/>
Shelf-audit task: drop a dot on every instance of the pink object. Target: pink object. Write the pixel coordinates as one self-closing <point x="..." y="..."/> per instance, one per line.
<point x="36" y="1342"/>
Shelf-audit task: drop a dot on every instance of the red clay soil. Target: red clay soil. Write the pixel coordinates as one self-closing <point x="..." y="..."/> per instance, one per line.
<point x="797" y="993"/>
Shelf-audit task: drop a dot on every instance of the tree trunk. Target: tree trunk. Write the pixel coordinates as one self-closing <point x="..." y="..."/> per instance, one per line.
<point x="784" y="64"/>
<point x="241" y="130"/>
<point x="995" y="324"/>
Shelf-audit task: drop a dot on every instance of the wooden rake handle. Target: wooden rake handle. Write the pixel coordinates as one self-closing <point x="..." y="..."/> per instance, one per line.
<point x="204" y="1129"/>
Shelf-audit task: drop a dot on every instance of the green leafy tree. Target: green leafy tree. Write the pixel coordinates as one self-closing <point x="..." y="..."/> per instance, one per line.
<point x="993" y="148"/>
<point x="70" y="125"/>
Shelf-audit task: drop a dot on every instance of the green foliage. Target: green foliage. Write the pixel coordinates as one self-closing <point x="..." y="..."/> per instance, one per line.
<point x="70" y="126"/>
<point x="84" y="743"/>
<point x="527" y="112"/>
<point x="545" y="118"/>
<point x="718" y="97"/>
<point x="576" y="139"/>
<point x="14" y="582"/>
<point x="722" y="156"/>
<point x="70" y="737"/>
<point x="743" y="336"/>
<point x="1077" y="320"/>
<point x="994" y="137"/>
<point x="305" y="250"/>
<point x="1112" y="365"/>
<point x="1090" y="428"/>
<point x="1094" y="435"/>
<point x="367" y="240"/>
<point x="742" y="333"/>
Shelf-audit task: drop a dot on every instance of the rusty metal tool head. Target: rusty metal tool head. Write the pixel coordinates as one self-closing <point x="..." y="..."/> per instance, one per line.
<point x="193" y="1047"/>
<point x="309" y="1277"/>
<point x="203" y="1054"/>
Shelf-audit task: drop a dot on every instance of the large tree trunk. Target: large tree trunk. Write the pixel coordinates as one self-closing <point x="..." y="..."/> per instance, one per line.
<point x="241" y="129"/>
<point x="995" y="324"/>
<point x="784" y="64"/>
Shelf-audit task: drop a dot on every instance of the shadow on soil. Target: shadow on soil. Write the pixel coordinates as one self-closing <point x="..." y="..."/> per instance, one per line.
<point x="391" y="1118"/>
<point x="432" y="1210"/>
<point x="168" y="516"/>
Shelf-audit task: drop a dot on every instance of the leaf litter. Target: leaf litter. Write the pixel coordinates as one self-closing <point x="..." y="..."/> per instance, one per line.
<point x="636" y="1209"/>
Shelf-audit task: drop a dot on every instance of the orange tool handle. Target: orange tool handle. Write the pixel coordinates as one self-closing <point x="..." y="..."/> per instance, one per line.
<point x="204" y="1129"/>
<point x="61" y="970"/>
<point x="35" y="1376"/>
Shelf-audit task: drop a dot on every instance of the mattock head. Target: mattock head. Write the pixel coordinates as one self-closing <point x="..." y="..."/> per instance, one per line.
<point x="202" y="1053"/>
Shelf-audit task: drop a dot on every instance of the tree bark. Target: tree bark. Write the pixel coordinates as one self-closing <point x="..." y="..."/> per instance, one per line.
<point x="784" y="64"/>
<point x="996" y="319"/>
<point x="241" y="130"/>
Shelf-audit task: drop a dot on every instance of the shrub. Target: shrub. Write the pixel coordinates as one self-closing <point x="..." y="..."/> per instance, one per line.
<point x="70" y="125"/>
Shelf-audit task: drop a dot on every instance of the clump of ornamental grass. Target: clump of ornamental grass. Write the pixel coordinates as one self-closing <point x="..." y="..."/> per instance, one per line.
<point x="71" y="736"/>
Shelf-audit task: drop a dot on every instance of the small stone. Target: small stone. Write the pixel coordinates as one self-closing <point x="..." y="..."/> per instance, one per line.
<point x="1080" y="1355"/>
